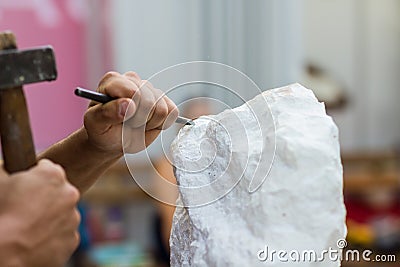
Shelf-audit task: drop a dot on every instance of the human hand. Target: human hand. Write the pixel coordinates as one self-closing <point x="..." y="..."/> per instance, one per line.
<point x="145" y="110"/>
<point x="38" y="217"/>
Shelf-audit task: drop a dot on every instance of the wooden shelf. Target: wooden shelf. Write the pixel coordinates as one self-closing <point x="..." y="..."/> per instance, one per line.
<point x="367" y="171"/>
<point x="115" y="195"/>
<point x="116" y="186"/>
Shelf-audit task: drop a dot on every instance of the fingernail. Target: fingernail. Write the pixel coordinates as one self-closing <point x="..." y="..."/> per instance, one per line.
<point x="123" y="106"/>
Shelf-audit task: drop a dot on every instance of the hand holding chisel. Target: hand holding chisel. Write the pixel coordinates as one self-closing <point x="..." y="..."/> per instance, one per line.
<point x="126" y="113"/>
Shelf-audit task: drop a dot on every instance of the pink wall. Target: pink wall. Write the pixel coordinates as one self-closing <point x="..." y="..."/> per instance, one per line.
<point x="54" y="110"/>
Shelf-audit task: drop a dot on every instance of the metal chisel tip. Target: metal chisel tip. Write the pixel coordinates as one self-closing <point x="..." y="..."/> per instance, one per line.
<point x="185" y="121"/>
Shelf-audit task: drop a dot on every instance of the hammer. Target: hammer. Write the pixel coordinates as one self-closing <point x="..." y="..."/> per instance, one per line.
<point x="19" y="67"/>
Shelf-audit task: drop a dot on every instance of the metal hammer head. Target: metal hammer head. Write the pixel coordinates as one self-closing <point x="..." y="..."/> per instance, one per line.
<point x="19" y="67"/>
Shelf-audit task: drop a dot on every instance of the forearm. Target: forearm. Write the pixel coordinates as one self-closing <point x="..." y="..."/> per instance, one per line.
<point x="82" y="162"/>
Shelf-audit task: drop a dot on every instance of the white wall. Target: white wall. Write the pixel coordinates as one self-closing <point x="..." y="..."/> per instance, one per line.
<point x="358" y="42"/>
<point x="383" y="72"/>
<point x="260" y="38"/>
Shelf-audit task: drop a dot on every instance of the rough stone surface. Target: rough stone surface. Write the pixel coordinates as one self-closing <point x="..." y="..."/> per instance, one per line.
<point x="229" y="209"/>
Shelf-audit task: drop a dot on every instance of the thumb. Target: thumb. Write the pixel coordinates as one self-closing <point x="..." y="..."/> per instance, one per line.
<point x="99" y="118"/>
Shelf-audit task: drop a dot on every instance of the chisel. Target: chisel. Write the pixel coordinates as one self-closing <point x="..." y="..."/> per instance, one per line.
<point x="102" y="98"/>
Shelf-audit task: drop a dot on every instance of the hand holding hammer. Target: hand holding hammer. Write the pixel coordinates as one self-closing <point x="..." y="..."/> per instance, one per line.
<point x="38" y="219"/>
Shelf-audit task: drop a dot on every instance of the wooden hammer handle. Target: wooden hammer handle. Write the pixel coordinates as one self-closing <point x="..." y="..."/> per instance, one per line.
<point x="15" y="131"/>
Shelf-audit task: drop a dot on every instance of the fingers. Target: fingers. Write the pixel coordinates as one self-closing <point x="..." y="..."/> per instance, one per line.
<point x="173" y="113"/>
<point x="55" y="174"/>
<point x="155" y="109"/>
<point x="76" y="239"/>
<point x="117" y="85"/>
<point x="75" y="218"/>
<point x="100" y="118"/>
<point x="134" y="77"/>
<point x="45" y="169"/>
<point x="159" y="111"/>
<point x="72" y="195"/>
<point x="147" y="107"/>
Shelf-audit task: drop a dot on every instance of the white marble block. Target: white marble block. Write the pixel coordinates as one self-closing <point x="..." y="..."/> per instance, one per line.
<point x="263" y="177"/>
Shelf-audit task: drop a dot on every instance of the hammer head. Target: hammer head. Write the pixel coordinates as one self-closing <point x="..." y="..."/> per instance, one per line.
<point x="19" y="67"/>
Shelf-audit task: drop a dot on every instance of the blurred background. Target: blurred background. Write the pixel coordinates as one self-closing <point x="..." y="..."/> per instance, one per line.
<point x="347" y="51"/>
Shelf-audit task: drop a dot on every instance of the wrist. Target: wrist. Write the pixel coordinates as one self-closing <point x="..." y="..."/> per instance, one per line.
<point x="95" y="151"/>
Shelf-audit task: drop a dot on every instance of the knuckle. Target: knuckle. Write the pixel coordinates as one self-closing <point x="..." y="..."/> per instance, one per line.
<point x="110" y="74"/>
<point x="106" y="111"/>
<point x="107" y="76"/>
<point x="174" y="112"/>
<point x="76" y="217"/>
<point x="55" y="171"/>
<point x="90" y="125"/>
<point x="58" y="173"/>
<point x="87" y="117"/>
<point x="136" y="92"/>
<point x="72" y="193"/>
<point x="161" y="111"/>
<point x="90" y="118"/>
<point x="159" y="93"/>
<point x="133" y="89"/>
<point x="132" y="74"/>
<point x="76" y="239"/>
<point x="110" y="112"/>
<point x="147" y="104"/>
<point x="44" y="164"/>
<point x="146" y="83"/>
